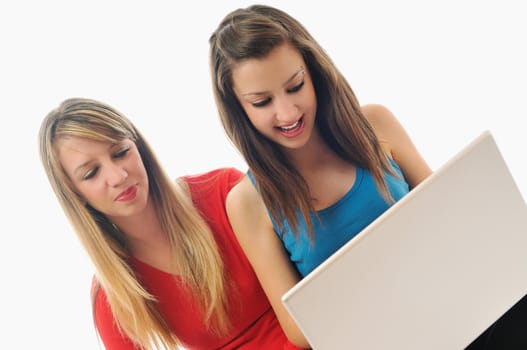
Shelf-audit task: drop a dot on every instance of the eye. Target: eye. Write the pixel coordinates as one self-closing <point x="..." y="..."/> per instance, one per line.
<point x="296" y="87"/>
<point x="261" y="103"/>
<point x="91" y="173"/>
<point x="121" y="153"/>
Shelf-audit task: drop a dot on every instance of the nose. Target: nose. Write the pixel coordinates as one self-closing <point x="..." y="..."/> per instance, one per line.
<point x="115" y="174"/>
<point x="286" y="110"/>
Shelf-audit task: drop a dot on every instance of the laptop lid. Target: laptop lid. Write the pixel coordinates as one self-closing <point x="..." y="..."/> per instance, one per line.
<point x="432" y="272"/>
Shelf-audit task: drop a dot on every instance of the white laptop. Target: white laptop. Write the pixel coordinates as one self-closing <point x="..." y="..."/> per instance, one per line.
<point x="432" y="272"/>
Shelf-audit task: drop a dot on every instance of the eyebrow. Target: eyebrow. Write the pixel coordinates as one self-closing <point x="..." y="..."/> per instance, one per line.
<point x="80" y="167"/>
<point x="292" y="77"/>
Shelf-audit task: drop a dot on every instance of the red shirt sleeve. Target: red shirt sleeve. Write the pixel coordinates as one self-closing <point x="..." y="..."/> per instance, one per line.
<point x="110" y="335"/>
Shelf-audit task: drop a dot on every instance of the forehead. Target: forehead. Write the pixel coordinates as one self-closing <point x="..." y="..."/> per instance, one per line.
<point x="73" y="151"/>
<point x="81" y="145"/>
<point x="261" y="73"/>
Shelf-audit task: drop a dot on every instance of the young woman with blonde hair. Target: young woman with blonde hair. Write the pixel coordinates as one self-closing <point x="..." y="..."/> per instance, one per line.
<point x="169" y="271"/>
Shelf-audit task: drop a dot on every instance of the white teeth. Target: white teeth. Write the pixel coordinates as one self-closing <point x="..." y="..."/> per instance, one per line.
<point x="287" y="128"/>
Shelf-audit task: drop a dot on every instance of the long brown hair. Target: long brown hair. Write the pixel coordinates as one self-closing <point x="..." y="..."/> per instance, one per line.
<point x="253" y="32"/>
<point x="200" y="264"/>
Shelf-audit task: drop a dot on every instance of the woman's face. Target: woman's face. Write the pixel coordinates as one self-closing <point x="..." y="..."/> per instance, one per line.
<point x="109" y="177"/>
<point x="278" y="96"/>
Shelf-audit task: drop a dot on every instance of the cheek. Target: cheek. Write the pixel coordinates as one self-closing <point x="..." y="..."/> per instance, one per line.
<point x="139" y="165"/>
<point x="311" y="97"/>
<point x="90" y="193"/>
<point x="314" y="103"/>
<point x="253" y="115"/>
<point x="259" y="119"/>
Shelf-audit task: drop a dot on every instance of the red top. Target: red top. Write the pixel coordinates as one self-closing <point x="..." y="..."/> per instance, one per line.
<point x="254" y="324"/>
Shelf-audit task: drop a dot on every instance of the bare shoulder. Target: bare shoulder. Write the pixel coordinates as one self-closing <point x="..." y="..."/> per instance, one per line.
<point x="245" y="207"/>
<point x="243" y="194"/>
<point x="375" y="110"/>
<point x="397" y="143"/>
<point x="383" y="121"/>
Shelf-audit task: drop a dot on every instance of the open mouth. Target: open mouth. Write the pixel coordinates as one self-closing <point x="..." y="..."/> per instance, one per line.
<point x="293" y="128"/>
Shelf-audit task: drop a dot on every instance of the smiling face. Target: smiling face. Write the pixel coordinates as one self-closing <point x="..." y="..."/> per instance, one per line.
<point x="109" y="177"/>
<point x="278" y="96"/>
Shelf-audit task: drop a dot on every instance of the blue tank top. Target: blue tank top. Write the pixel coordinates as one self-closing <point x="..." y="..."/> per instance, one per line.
<point x="340" y="222"/>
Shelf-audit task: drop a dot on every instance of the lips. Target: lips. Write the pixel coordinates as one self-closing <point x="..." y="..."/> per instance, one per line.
<point x="292" y="130"/>
<point x="127" y="195"/>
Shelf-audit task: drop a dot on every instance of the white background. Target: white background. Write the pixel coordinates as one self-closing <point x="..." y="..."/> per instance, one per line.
<point x="448" y="70"/>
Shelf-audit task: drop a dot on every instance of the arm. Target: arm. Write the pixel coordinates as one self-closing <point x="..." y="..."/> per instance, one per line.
<point x="105" y="324"/>
<point x="265" y="252"/>
<point x="397" y="143"/>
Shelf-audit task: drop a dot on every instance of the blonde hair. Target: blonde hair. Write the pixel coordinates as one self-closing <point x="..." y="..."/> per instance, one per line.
<point x="253" y="32"/>
<point x="195" y="250"/>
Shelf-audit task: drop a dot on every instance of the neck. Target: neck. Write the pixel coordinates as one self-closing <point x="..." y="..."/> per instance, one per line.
<point x="313" y="156"/>
<point x="144" y="233"/>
